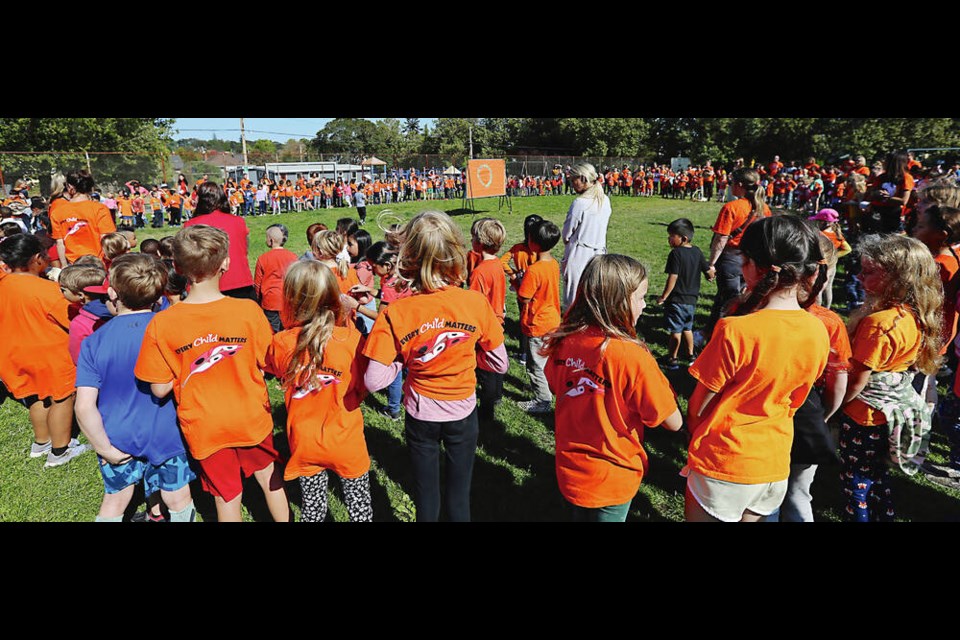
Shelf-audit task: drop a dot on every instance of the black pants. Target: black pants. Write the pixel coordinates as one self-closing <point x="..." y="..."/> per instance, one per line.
<point x="491" y="390"/>
<point x="459" y="440"/>
<point x="729" y="284"/>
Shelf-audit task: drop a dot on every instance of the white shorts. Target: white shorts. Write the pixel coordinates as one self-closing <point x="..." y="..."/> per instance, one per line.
<point x="728" y="501"/>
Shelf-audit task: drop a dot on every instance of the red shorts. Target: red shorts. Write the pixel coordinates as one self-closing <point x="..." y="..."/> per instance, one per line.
<point x="222" y="473"/>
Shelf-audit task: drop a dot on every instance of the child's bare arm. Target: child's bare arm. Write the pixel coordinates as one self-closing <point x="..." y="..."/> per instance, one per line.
<point x="674" y="421"/>
<point x="91" y="423"/>
<point x="161" y="389"/>
<point x="668" y="288"/>
<point x="859" y="376"/>
<point x="833" y="393"/>
<point x="699" y="399"/>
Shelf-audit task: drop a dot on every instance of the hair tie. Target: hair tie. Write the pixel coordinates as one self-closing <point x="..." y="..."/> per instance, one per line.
<point x="774" y="268"/>
<point x="822" y="261"/>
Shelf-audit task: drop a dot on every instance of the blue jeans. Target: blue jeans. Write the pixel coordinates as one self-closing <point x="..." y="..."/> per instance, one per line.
<point x="459" y="438"/>
<point x="395" y="394"/>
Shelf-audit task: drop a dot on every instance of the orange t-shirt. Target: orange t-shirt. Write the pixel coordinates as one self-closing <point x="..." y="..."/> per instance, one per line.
<point x="761" y="366"/>
<point x="473" y="259"/>
<point x="348" y="281"/>
<point x="839" y="358"/>
<point x="80" y="225"/>
<point x="734" y="215"/>
<point x="324" y="423"/>
<point x="522" y="258"/>
<point x="541" y="284"/>
<point x="832" y="237"/>
<point x="268" y="277"/>
<point x="887" y="340"/>
<point x="603" y="404"/>
<point x="214" y="353"/>
<point x="488" y="279"/>
<point x="436" y="335"/>
<point x="34" y="356"/>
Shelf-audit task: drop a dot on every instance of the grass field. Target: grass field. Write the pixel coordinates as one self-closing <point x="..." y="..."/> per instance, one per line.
<point x="514" y="473"/>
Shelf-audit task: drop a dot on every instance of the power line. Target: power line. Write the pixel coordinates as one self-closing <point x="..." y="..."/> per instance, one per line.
<point x="275" y="133"/>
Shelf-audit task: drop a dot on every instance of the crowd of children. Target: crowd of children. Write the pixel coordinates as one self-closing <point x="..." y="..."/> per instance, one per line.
<point x="165" y="375"/>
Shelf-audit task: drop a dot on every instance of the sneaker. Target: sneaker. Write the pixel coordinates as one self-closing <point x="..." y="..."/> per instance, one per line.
<point x="66" y="456"/>
<point x="37" y="450"/>
<point x="535" y="406"/>
<point x="939" y="470"/>
<point x="393" y="415"/>
<point x="944" y="481"/>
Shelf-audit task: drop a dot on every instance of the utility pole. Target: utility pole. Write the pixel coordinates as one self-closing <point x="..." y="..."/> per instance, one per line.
<point x="243" y="141"/>
<point x="471" y="142"/>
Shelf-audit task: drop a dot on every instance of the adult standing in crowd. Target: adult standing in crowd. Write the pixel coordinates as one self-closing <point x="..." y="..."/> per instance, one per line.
<point x="890" y="194"/>
<point x="79" y="224"/>
<point x="585" y="229"/>
<point x="732" y="221"/>
<point x="213" y="209"/>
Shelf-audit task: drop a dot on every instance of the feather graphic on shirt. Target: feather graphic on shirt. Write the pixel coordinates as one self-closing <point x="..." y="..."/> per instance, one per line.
<point x="79" y="225"/>
<point x="428" y="352"/>
<point x="210" y="358"/>
<point x="583" y="385"/>
<point x="324" y="380"/>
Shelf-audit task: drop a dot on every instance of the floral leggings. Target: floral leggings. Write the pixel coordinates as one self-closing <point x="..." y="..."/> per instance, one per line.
<point x="356" y="493"/>
<point x="864" y="472"/>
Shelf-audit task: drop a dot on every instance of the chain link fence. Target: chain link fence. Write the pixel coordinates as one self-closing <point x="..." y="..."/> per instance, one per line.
<point x="112" y="170"/>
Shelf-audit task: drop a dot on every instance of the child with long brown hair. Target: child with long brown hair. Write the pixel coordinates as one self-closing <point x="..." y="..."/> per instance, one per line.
<point x="896" y="333"/>
<point x="441" y="334"/>
<point x="608" y="389"/>
<point x="319" y="364"/>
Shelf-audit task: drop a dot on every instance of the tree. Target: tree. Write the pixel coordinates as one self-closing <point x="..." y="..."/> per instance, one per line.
<point x="132" y="135"/>
<point x="350" y="137"/>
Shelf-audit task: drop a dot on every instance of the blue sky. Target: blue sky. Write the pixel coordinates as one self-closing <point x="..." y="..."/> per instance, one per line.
<point x="276" y="129"/>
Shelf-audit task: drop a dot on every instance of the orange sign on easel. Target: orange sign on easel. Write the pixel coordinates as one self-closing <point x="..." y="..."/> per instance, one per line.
<point x="486" y="178"/>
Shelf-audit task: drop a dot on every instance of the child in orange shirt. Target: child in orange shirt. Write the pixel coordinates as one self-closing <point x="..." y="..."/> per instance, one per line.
<point x="269" y="272"/>
<point x="753" y="375"/>
<point x="608" y="389"/>
<point x="35" y="363"/>
<point x="938" y="227"/>
<point x="489" y="280"/>
<point x="441" y="334"/>
<point x="896" y="332"/>
<point x="539" y="297"/>
<point x="319" y="363"/>
<point x="210" y="351"/>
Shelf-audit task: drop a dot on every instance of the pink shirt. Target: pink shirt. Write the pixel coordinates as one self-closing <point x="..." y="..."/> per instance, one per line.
<point x="239" y="274"/>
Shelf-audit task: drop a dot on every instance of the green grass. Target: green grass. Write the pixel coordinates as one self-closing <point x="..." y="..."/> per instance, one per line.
<point x="514" y="473"/>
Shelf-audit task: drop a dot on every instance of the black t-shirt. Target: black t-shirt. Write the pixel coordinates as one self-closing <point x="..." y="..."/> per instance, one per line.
<point x="688" y="263"/>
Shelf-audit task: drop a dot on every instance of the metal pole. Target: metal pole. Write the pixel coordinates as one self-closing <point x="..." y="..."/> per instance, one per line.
<point x="243" y="141"/>
<point x="471" y="143"/>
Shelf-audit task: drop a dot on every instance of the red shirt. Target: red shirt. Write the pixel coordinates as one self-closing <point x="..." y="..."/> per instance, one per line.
<point x="268" y="279"/>
<point x="238" y="275"/>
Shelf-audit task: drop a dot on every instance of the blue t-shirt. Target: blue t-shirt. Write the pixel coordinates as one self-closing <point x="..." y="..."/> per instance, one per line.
<point x="135" y="421"/>
<point x="359" y="199"/>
